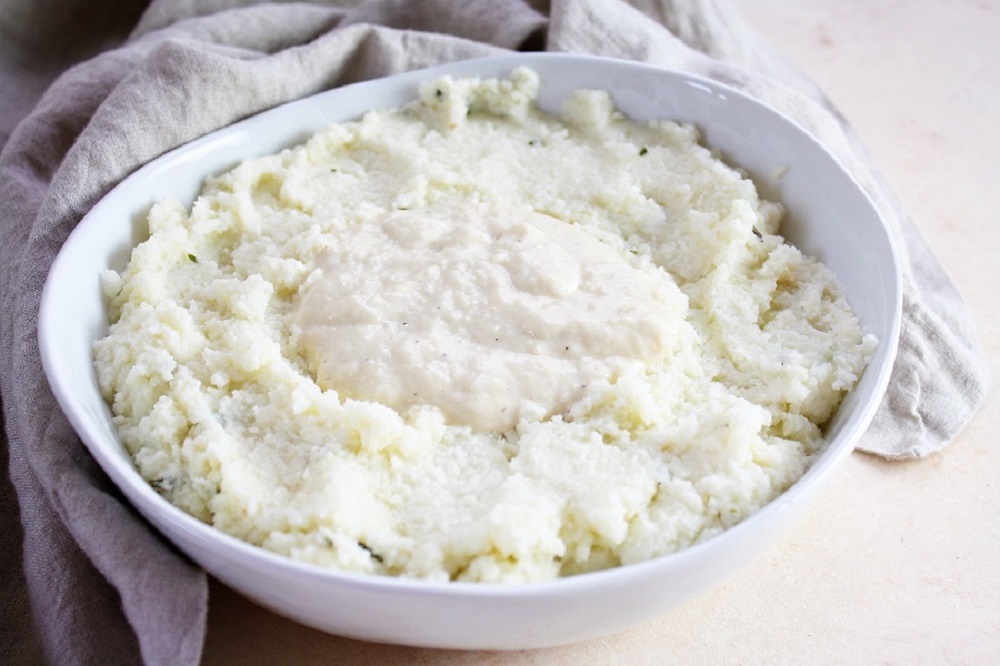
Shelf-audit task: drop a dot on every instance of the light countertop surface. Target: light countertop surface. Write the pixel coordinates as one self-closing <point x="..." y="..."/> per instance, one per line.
<point x="897" y="562"/>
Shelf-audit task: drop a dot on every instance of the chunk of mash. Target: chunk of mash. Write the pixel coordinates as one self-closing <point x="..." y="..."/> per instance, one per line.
<point x="469" y="340"/>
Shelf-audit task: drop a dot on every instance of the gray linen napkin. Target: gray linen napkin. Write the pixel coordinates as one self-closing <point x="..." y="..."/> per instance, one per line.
<point x="95" y="583"/>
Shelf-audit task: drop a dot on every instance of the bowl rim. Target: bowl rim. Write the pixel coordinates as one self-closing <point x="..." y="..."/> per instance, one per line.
<point x="140" y="494"/>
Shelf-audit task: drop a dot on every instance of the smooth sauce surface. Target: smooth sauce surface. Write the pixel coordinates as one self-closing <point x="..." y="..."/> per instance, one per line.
<point x="489" y="314"/>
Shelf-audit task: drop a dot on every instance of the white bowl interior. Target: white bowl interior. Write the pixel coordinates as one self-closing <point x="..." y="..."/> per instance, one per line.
<point x="829" y="217"/>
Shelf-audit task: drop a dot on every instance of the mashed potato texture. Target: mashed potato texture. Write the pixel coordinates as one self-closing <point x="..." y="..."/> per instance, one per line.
<point x="469" y="340"/>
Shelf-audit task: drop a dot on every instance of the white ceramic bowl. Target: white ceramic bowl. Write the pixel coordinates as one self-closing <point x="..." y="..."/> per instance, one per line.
<point x="829" y="217"/>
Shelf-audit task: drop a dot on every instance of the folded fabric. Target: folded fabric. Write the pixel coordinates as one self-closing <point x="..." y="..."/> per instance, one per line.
<point x="103" y="587"/>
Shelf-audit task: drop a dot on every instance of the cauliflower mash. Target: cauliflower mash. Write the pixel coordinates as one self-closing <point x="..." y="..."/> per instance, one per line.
<point x="470" y="340"/>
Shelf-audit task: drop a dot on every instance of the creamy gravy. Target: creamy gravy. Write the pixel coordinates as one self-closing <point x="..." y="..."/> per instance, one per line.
<point x="489" y="314"/>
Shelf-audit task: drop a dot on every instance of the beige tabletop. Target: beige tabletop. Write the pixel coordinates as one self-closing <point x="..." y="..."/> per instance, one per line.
<point x="897" y="563"/>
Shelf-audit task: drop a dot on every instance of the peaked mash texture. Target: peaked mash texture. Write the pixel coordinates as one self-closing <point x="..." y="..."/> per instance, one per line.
<point x="87" y="580"/>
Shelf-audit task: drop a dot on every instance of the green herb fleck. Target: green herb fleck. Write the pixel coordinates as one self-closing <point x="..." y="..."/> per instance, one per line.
<point x="373" y="555"/>
<point x="192" y="258"/>
<point x="757" y="233"/>
<point x="438" y="93"/>
<point x="643" y="151"/>
<point x="164" y="484"/>
<point x="532" y="142"/>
